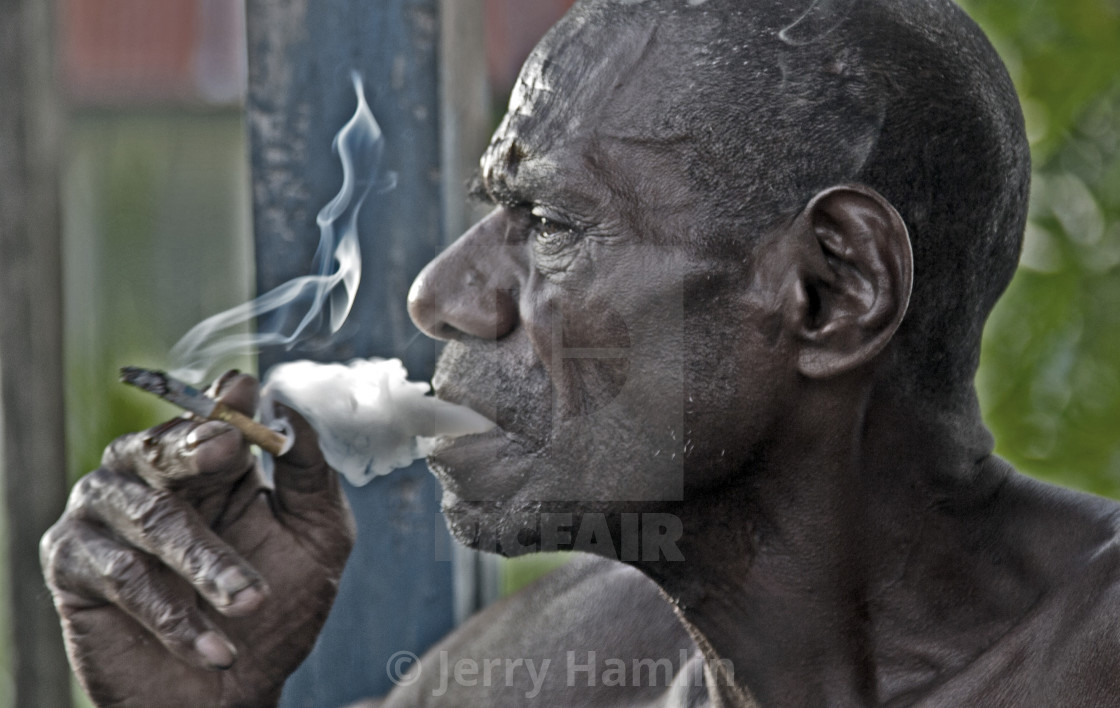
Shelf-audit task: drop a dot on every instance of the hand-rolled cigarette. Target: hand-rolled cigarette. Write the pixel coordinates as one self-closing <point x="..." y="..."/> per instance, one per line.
<point x="172" y="390"/>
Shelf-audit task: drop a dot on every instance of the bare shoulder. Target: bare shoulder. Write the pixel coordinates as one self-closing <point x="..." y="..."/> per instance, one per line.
<point x="594" y="632"/>
<point x="1066" y="649"/>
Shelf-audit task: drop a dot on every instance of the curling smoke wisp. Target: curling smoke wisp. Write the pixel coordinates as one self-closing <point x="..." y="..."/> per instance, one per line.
<point x="369" y="417"/>
<point x="311" y="302"/>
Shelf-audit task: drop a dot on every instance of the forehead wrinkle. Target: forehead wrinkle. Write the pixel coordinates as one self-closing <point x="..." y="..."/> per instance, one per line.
<point x="564" y="91"/>
<point x="643" y="180"/>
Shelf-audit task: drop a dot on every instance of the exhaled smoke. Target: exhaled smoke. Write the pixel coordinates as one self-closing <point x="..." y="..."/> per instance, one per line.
<point x="369" y="417"/>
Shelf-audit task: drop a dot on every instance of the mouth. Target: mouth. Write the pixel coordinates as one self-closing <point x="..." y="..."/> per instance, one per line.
<point x="447" y="443"/>
<point x="460" y="463"/>
<point x="506" y="390"/>
<point x="453" y="444"/>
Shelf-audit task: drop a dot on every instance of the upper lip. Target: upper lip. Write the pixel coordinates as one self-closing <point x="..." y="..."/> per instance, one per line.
<point x="444" y="395"/>
<point x="451" y="392"/>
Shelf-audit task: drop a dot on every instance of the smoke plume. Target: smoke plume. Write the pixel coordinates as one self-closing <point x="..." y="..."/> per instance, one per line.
<point x="369" y="417"/>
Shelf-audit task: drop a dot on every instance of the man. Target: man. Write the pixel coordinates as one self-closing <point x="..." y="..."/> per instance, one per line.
<point x="726" y="312"/>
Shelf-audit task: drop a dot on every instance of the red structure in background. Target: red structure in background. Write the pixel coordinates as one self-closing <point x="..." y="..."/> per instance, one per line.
<point x="144" y="52"/>
<point x="513" y="27"/>
<point x="139" y="51"/>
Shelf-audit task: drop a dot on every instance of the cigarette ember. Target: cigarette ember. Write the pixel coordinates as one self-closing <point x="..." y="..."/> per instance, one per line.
<point x="191" y="399"/>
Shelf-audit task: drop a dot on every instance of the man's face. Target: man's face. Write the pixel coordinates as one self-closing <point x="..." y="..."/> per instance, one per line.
<point x="622" y="361"/>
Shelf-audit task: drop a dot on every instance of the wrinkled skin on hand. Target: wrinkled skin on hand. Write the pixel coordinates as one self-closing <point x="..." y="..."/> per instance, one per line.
<point x="181" y="579"/>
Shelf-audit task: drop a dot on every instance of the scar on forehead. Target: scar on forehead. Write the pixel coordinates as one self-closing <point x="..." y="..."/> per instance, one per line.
<point x="515" y="153"/>
<point x="503" y="167"/>
<point x="490" y="182"/>
<point x="822" y="17"/>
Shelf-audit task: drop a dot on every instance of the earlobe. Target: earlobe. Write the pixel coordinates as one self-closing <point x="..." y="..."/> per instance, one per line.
<point x="855" y="272"/>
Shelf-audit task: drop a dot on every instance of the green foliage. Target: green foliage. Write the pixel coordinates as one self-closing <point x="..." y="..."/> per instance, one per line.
<point x="1061" y="53"/>
<point x="1050" y="369"/>
<point x="156" y="209"/>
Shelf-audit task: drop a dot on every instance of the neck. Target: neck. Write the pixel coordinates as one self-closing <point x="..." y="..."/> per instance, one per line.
<point x="846" y="541"/>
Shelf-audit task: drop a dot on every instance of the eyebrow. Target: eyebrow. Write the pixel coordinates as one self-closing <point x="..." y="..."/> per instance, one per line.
<point x="480" y="190"/>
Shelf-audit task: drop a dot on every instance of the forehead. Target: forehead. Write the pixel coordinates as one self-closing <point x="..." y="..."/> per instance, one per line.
<point x="588" y="98"/>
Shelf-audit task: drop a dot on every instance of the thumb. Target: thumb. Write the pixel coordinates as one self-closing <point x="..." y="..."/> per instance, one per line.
<point x="304" y="462"/>
<point x="305" y="485"/>
<point x="237" y="390"/>
<point x="308" y="492"/>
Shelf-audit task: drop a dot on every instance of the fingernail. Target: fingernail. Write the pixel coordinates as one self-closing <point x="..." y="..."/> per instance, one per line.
<point x="207" y="431"/>
<point x="244" y="602"/>
<point x="217" y="652"/>
<point x="224" y="379"/>
<point x="232" y="581"/>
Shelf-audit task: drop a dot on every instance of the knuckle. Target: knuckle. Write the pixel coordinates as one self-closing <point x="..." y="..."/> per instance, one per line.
<point x="119" y="453"/>
<point x="132" y="584"/>
<point x="202" y="562"/>
<point x="172" y="622"/>
<point x="171" y="617"/>
<point x="50" y="551"/>
<point x="107" y="497"/>
<point x="49" y="540"/>
<point x="86" y="488"/>
<point x="195" y="554"/>
<point x="65" y="553"/>
<point x="154" y="511"/>
<point x="124" y="569"/>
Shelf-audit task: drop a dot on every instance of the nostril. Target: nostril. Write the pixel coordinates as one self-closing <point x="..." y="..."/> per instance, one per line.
<point x="427" y="316"/>
<point x="470" y="289"/>
<point x="446" y="331"/>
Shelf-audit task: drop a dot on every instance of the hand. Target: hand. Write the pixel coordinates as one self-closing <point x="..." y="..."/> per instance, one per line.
<point x="181" y="579"/>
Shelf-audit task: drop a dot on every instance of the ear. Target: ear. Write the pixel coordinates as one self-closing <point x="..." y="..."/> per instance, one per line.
<point x="855" y="269"/>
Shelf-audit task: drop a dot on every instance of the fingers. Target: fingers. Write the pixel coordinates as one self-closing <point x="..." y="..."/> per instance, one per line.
<point x="237" y="390"/>
<point x="84" y="567"/>
<point x="302" y="474"/>
<point x="170" y="455"/>
<point x="168" y="528"/>
<point x="187" y="452"/>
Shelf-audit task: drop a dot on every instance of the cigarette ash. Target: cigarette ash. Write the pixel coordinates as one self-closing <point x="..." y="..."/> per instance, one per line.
<point x="370" y="418"/>
<point x="147" y="379"/>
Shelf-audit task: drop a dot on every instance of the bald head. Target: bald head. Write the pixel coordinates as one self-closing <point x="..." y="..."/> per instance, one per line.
<point x="763" y="104"/>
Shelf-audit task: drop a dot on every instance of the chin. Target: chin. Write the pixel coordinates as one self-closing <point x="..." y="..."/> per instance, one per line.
<point x="491" y="526"/>
<point x="480" y="477"/>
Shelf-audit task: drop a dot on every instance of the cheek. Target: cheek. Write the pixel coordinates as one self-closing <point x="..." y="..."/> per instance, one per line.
<point x="584" y="342"/>
<point x="616" y="348"/>
<point x="735" y="376"/>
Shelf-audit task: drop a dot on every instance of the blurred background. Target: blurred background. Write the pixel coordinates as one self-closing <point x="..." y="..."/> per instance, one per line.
<point x="156" y="212"/>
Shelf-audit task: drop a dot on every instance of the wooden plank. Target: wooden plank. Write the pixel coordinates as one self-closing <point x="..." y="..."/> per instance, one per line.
<point x="396" y="594"/>
<point x="31" y="374"/>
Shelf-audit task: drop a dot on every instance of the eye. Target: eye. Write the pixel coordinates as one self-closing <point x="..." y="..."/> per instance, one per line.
<point x="552" y="236"/>
<point x="546" y="227"/>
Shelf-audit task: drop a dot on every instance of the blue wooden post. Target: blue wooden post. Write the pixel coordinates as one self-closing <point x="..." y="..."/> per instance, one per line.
<point x="397" y="592"/>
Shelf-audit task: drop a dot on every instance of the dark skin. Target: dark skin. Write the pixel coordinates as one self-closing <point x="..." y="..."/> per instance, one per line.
<point x="844" y="541"/>
<point x="176" y="539"/>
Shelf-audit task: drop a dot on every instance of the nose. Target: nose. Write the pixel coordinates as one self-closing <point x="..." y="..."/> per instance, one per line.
<point x="471" y="288"/>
